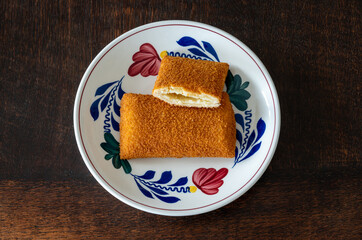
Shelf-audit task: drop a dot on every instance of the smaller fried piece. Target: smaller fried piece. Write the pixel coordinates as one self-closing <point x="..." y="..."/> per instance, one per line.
<point x="189" y="82"/>
<point x="150" y="128"/>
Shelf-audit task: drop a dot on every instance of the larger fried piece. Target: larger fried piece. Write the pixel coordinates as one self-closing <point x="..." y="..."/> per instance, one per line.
<point x="150" y="128"/>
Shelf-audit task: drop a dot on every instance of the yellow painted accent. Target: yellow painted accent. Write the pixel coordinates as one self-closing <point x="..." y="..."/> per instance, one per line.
<point x="193" y="189"/>
<point x="163" y="54"/>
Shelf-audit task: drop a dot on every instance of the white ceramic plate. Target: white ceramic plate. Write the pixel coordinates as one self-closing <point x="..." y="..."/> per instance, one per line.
<point x="186" y="186"/>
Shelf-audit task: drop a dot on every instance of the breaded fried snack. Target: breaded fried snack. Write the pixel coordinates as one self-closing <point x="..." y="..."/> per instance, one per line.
<point x="189" y="82"/>
<point x="150" y="127"/>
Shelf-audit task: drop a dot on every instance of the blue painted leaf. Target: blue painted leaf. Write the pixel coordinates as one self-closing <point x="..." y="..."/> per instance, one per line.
<point x="260" y="126"/>
<point x="105" y="101"/>
<point x="148" y="175"/>
<point x="165" y="177"/>
<point x="156" y="190"/>
<point x="120" y="90"/>
<point x="239" y="119"/>
<point x="144" y="191"/>
<point x="208" y="47"/>
<point x="104" y="88"/>
<point x="126" y="166"/>
<point x="250" y="140"/>
<point x="168" y="199"/>
<point x="116" y="107"/>
<point x="236" y="152"/>
<point x="94" y="109"/>
<point x="108" y="156"/>
<point x="252" y="151"/>
<point x="180" y="182"/>
<point x="188" y="41"/>
<point x="239" y="137"/>
<point x="198" y="53"/>
<point x="115" y="124"/>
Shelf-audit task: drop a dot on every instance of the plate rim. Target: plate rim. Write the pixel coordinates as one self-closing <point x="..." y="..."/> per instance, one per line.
<point x="177" y="212"/>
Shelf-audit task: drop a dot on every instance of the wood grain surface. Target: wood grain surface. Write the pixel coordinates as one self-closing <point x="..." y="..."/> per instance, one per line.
<point x="312" y="188"/>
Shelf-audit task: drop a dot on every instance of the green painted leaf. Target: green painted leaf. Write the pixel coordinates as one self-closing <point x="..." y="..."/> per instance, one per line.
<point x="108" y="156"/>
<point x="236" y="90"/>
<point x="109" y="149"/>
<point x="243" y="94"/>
<point x="238" y="102"/>
<point x="111" y="140"/>
<point x="228" y="81"/>
<point x="116" y="161"/>
<point x="244" y="85"/>
<point x="113" y="147"/>
<point x="236" y="83"/>
<point x="126" y="166"/>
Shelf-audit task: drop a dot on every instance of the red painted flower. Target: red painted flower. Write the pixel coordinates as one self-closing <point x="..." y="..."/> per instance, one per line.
<point x="146" y="62"/>
<point x="209" y="180"/>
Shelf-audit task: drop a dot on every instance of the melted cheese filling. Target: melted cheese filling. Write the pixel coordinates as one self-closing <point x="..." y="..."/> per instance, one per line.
<point x="181" y="97"/>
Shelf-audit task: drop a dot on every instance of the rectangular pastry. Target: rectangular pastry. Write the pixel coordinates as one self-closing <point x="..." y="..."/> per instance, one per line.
<point x="150" y="127"/>
<point x="189" y="82"/>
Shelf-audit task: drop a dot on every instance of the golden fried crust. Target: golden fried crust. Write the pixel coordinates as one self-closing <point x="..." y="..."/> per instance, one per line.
<point x="196" y="76"/>
<point x="150" y="127"/>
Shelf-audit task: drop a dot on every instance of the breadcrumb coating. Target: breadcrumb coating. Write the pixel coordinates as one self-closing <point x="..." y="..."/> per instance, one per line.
<point x="194" y="76"/>
<point x="150" y="127"/>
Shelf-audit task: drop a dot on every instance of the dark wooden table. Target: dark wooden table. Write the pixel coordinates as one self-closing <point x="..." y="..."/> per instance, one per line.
<point x="312" y="188"/>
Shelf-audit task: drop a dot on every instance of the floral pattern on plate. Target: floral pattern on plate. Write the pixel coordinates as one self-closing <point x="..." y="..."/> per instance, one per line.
<point x="146" y="62"/>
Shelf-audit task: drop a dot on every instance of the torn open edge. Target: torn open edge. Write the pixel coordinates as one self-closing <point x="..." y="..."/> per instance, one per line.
<point x="179" y="96"/>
